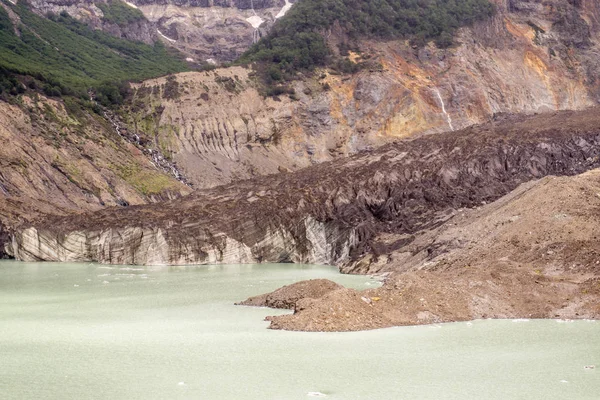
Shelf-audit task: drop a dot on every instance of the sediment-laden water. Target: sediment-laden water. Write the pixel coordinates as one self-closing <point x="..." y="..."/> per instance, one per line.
<point x="78" y="331"/>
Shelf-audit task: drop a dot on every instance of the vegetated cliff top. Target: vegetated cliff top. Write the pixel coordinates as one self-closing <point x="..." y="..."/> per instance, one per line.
<point x="65" y="56"/>
<point x="297" y="40"/>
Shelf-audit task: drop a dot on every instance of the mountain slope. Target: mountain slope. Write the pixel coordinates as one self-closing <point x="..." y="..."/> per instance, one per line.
<point x="528" y="58"/>
<point x="71" y="57"/>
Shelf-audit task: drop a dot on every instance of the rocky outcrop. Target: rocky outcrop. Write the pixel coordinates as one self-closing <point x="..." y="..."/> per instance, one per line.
<point x="342" y="213"/>
<point x="213" y="31"/>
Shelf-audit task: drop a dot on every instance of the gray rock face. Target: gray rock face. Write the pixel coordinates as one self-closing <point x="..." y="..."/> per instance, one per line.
<point x="88" y="12"/>
<point x="204" y="30"/>
<point x="333" y="213"/>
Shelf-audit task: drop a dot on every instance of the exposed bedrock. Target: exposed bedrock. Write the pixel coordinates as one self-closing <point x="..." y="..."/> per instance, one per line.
<point x="341" y="212"/>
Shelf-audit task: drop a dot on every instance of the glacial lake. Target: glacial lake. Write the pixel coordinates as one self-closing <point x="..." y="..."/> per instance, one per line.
<point x="88" y="331"/>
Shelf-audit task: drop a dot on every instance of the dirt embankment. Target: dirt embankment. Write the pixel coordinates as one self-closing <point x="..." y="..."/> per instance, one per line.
<point x="534" y="253"/>
<point x="288" y="296"/>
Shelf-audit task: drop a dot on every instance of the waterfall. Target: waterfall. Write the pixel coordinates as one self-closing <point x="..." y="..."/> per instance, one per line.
<point x="448" y="119"/>
<point x="284" y="9"/>
<point x="255" y="20"/>
<point x="156" y="158"/>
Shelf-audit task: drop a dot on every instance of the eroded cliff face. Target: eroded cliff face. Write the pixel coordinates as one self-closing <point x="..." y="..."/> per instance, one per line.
<point x="531" y="57"/>
<point x="347" y="212"/>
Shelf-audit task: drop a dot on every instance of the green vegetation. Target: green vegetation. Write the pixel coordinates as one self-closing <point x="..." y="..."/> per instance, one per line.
<point x="145" y="181"/>
<point x="296" y="41"/>
<point x="62" y="56"/>
<point x="119" y="13"/>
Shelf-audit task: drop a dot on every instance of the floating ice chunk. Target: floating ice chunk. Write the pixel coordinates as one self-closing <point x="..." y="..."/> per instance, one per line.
<point x="563" y="381"/>
<point x="181" y="383"/>
<point x="520" y="320"/>
<point x="563" y="321"/>
<point x="469" y="323"/>
<point x="105" y="282"/>
<point x="76" y="285"/>
<point x="316" y="394"/>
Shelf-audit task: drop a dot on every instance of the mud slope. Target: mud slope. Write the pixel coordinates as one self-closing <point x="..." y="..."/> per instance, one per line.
<point x="351" y="212"/>
<point x="532" y="254"/>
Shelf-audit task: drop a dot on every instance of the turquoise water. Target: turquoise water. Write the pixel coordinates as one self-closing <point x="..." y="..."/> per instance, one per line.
<point x="77" y="331"/>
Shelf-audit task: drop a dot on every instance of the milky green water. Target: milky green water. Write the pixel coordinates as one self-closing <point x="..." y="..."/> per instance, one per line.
<point x="77" y="331"/>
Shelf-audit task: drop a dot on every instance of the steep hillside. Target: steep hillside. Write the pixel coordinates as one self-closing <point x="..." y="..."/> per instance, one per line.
<point x="63" y="151"/>
<point x="530" y="58"/>
<point x="57" y="159"/>
<point x="346" y="212"/>
<point x="116" y="17"/>
<point x="67" y="57"/>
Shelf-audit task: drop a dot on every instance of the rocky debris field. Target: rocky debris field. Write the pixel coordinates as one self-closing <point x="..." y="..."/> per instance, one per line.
<point x="348" y="212"/>
<point x="494" y="221"/>
<point x="534" y="253"/>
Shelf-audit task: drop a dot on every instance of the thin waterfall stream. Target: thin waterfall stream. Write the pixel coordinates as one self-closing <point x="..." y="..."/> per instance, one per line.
<point x="448" y="118"/>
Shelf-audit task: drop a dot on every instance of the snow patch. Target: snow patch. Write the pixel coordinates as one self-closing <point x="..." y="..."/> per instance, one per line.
<point x="189" y="59"/>
<point x="211" y="61"/>
<point x="131" y="4"/>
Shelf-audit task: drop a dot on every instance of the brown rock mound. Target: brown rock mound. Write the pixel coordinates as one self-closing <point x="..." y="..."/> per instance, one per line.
<point x="288" y="296"/>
